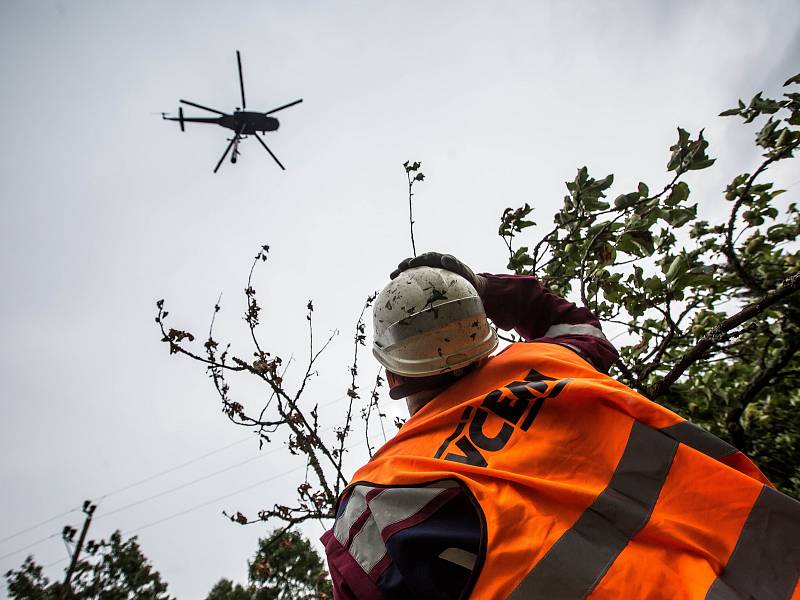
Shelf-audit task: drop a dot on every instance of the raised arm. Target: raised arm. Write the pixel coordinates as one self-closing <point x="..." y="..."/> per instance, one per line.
<point x="519" y="302"/>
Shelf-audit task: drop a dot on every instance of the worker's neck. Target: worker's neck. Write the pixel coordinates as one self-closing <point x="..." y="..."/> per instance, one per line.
<point x="419" y="399"/>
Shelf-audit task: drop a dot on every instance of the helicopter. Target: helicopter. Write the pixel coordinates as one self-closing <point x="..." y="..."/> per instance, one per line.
<point x="242" y="122"/>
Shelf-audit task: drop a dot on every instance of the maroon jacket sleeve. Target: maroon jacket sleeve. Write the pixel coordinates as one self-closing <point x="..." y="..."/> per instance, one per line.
<point x="519" y="302"/>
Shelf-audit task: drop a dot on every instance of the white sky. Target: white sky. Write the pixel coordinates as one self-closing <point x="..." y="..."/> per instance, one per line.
<point x="106" y="208"/>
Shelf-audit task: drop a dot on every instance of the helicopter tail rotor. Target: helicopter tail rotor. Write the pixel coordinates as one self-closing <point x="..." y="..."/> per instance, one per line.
<point x="180" y="118"/>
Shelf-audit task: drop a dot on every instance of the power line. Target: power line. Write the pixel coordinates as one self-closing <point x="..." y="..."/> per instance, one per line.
<point x="170" y="490"/>
<point x="194" y="460"/>
<point x="172" y="469"/>
<point x="791" y="185"/>
<point x="186" y="484"/>
<point x="55" y="562"/>
<point x="39" y="524"/>
<point x="183" y="512"/>
<point x="234" y="493"/>
<point x="127" y="487"/>
<point x="217" y="499"/>
<point x="31" y="545"/>
<point x="202" y="478"/>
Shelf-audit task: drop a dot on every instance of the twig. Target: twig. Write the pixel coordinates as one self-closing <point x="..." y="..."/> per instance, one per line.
<point x="418" y="176"/>
<point x="410" y="213"/>
<point x="633" y="381"/>
<point x="373" y="402"/>
<point x="728" y="249"/>
<point x="352" y="393"/>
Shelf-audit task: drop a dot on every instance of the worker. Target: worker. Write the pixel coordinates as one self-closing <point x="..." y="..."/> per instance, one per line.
<point x="531" y="473"/>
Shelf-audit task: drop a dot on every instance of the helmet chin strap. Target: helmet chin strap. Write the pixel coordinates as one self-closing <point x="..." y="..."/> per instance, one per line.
<point x="401" y="386"/>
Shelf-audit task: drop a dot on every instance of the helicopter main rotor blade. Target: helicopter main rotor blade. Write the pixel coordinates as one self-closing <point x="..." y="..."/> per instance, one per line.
<point x="275" y="158"/>
<point x="241" y="79"/>
<point x="274" y="110"/>
<point x="224" y="154"/>
<point x="214" y="110"/>
<point x="228" y="149"/>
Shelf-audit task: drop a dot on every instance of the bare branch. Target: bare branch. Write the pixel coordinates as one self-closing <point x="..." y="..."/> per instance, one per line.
<point x="367" y="411"/>
<point x="352" y="392"/>
<point x="251" y="316"/>
<point x="418" y="176"/>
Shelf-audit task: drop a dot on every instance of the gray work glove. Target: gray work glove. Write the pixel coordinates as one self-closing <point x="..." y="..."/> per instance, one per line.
<point x="442" y="261"/>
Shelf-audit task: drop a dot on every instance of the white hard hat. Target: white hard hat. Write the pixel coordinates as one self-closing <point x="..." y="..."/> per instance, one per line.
<point x="429" y="321"/>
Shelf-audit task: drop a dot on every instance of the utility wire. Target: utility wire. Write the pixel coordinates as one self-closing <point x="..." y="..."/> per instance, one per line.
<point x="202" y="478"/>
<point x="127" y="487"/>
<point x="217" y="499"/>
<point x="186" y="484"/>
<point x="172" y="469"/>
<point x="168" y="491"/>
<point x="39" y="524"/>
<point x="181" y="513"/>
<point x="55" y="562"/>
<point x="192" y="461"/>
<point x="31" y="545"/>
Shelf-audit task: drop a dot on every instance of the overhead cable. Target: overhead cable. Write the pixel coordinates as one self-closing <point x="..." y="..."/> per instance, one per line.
<point x="183" y="485"/>
<point x="234" y="493"/>
<point x="217" y="499"/>
<point x="39" y="524"/>
<point x="171" y="469"/>
<point x="31" y="545"/>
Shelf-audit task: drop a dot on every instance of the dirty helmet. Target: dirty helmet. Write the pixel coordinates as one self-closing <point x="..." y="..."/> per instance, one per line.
<point x="428" y="321"/>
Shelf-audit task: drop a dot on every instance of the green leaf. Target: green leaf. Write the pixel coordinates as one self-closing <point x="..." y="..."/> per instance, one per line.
<point x="677" y="267"/>
<point x="678" y="194"/>
<point x="791" y="80"/>
<point x="678" y="217"/>
<point x="637" y="243"/>
<point x="626" y="200"/>
<point x="653" y="284"/>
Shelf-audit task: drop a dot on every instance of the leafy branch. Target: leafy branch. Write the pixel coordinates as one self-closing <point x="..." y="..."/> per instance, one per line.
<point x="699" y="301"/>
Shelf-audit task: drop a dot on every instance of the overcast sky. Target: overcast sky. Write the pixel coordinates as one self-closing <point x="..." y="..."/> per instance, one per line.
<point x="106" y="208"/>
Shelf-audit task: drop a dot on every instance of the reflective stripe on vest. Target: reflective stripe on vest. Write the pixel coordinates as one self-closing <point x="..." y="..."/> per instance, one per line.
<point x="766" y="559"/>
<point x="580" y="558"/>
<point x="372" y="515"/>
<point x="590" y="490"/>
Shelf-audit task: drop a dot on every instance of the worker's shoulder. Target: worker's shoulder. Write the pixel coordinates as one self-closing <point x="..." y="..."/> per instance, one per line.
<point x="551" y="353"/>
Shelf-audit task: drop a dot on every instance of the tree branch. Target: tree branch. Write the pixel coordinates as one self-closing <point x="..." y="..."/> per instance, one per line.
<point x="633" y="381"/>
<point x="754" y="388"/>
<point x="728" y="249"/>
<point x="718" y="333"/>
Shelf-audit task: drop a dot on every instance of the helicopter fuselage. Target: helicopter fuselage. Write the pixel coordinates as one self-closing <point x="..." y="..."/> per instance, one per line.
<point x="248" y="122"/>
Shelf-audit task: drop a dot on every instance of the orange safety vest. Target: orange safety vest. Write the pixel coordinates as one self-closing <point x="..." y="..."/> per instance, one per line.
<point x="589" y="489"/>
